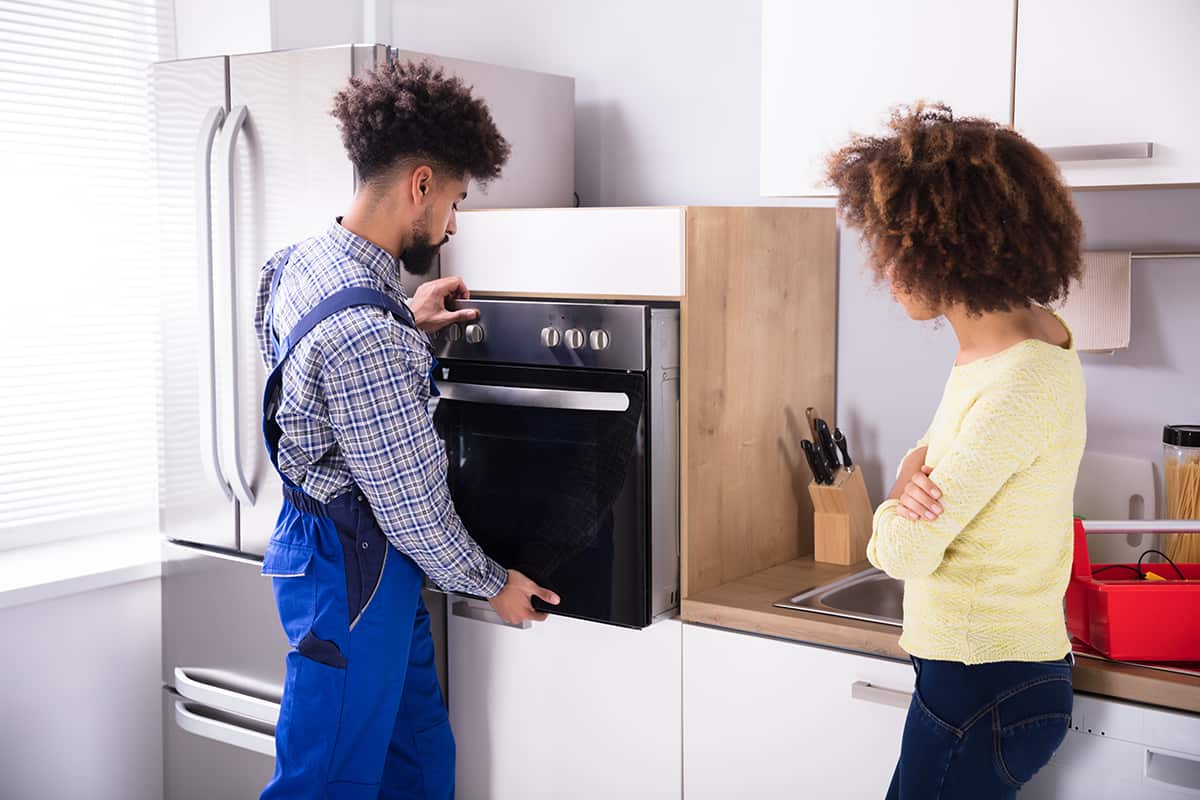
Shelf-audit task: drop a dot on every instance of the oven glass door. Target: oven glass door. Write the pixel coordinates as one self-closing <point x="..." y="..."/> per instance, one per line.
<point x="547" y="469"/>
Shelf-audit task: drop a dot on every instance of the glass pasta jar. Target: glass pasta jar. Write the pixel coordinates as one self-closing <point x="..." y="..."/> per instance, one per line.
<point x="1181" y="469"/>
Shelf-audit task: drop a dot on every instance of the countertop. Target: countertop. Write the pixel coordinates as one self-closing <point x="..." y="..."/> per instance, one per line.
<point x="746" y="605"/>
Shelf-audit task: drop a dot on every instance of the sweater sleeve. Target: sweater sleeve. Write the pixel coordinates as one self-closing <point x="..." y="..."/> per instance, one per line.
<point x="922" y="442"/>
<point x="1000" y="435"/>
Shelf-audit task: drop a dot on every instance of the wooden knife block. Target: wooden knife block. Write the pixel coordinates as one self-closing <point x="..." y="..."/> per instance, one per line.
<point x="842" y="518"/>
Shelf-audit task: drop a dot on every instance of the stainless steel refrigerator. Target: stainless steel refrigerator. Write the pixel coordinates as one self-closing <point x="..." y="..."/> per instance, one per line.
<point x="248" y="160"/>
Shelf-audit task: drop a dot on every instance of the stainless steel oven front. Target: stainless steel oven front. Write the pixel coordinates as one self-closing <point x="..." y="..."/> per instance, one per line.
<point x="561" y="424"/>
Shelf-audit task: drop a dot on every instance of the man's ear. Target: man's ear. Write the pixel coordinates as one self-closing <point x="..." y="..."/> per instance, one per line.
<point x="421" y="184"/>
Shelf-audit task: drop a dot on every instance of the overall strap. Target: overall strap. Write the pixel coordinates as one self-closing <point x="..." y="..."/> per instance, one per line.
<point x="341" y="299"/>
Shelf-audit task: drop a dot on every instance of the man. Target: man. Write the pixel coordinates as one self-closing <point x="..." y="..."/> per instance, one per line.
<point x="366" y="512"/>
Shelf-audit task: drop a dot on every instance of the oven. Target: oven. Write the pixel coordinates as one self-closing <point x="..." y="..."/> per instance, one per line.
<point x="561" y="425"/>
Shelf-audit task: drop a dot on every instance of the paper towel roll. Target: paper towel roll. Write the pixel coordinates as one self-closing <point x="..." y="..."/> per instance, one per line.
<point x="1098" y="305"/>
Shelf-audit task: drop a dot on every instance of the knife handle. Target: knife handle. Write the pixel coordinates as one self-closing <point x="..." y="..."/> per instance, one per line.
<point x="814" y="466"/>
<point x="810" y="414"/>
<point x="825" y="445"/>
<point x="839" y="438"/>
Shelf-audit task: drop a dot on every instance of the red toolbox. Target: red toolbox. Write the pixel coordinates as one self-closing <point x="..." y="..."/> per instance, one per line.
<point x="1131" y="619"/>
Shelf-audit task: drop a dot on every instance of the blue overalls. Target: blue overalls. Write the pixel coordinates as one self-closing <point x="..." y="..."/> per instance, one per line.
<point x="362" y="713"/>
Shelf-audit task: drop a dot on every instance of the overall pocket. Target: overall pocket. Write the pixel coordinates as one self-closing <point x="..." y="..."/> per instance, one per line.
<point x="289" y="567"/>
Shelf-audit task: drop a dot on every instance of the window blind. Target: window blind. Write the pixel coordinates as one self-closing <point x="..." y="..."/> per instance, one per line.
<point x="79" y="332"/>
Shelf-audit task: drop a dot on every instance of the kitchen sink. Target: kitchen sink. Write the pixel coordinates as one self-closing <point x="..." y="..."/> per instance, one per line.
<point x="869" y="595"/>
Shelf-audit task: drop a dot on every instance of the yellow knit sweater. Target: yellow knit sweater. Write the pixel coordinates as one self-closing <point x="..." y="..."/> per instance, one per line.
<point x="985" y="581"/>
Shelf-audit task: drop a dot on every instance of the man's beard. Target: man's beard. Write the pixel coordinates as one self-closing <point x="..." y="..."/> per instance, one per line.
<point x="418" y="258"/>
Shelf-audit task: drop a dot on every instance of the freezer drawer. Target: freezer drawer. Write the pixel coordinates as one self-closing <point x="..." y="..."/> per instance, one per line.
<point x="219" y="618"/>
<point x="211" y="754"/>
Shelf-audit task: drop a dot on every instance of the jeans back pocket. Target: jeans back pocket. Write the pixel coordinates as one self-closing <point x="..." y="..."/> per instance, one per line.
<point x="1029" y="726"/>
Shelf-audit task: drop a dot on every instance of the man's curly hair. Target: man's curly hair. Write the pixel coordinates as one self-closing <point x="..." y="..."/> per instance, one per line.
<point x="959" y="211"/>
<point x="406" y="111"/>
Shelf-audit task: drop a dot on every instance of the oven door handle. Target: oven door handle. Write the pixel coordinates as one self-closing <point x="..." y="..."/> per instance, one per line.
<point x="565" y="399"/>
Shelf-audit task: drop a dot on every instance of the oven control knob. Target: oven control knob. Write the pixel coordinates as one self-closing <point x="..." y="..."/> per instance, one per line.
<point x="575" y="338"/>
<point x="599" y="339"/>
<point x="551" y="337"/>
<point x="474" y="334"/>
<point x="454" y="332"/>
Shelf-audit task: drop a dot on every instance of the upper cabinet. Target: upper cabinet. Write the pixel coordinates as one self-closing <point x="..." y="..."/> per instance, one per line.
<point x="1108" y="88"/>
<point x="832" y="68"/>
<point x="1114" y="85"/>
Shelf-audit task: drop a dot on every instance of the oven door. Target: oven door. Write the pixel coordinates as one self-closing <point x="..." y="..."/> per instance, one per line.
<point x="547" y="468"/>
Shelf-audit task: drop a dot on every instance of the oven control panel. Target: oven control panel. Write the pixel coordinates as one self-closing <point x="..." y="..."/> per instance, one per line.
<point x="548" y="333"/>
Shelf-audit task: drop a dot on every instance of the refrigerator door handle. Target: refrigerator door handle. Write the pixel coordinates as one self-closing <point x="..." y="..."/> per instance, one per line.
<point x="221" y="731"/>
<point x="209" y="448"/>
<point x="205" y="687"/>
<point x="226" y="156"/>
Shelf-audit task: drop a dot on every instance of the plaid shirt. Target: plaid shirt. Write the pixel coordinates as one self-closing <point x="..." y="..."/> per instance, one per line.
<point x="353" y="407"/>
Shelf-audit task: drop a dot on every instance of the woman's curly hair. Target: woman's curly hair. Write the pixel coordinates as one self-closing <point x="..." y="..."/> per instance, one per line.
<point x="959" y="211"/>
<point x="415" y="110"/>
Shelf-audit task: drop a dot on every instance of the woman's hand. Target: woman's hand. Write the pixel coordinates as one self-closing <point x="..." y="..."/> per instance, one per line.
<point x="918" y="496"/>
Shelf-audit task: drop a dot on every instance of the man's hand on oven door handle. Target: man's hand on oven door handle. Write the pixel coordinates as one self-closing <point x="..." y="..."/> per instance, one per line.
<point x="514" y="603"/>
<point x="429" y="304"/>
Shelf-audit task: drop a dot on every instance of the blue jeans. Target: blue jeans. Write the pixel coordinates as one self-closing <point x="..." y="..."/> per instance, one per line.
<point x="981" y="731"/>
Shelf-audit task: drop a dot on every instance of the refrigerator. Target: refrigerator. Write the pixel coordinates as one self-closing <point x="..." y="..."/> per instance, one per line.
<point x="248" y="160"/>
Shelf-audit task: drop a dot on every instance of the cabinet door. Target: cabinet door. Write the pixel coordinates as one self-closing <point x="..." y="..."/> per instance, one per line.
<point x="564" y="708"/>
<point x="1101" y="74"/>
<point x="572" y="252"/>
<point x="766" y="718"/>
<point x="832" y="68"/>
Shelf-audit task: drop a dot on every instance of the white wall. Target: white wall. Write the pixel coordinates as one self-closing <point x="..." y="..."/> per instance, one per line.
<point x="667" y="97"/>
<point x="80" y="696"/>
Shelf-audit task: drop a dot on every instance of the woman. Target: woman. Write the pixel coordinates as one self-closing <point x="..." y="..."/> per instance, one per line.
<point x="969" y="222"/>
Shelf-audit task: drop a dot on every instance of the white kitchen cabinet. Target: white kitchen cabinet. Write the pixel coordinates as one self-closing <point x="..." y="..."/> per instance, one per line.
<point x="832" y="68"/>
<point x="572" y="252"/>
<point x="564" y="709"/>
<point x="766" y="718"/>
<point x="1114" y="72"/>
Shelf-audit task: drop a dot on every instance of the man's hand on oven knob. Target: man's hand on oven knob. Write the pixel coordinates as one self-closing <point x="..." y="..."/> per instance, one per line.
<point x="514" y="603"/>
<point x="429" y="301"/>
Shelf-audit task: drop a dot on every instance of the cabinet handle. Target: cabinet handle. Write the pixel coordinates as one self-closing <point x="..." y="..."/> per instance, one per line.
<point x="1101" y="152"/>
<point x="1173" y="770"/>
<point x="464" y="609"/>
<point x="861" y="690"/>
